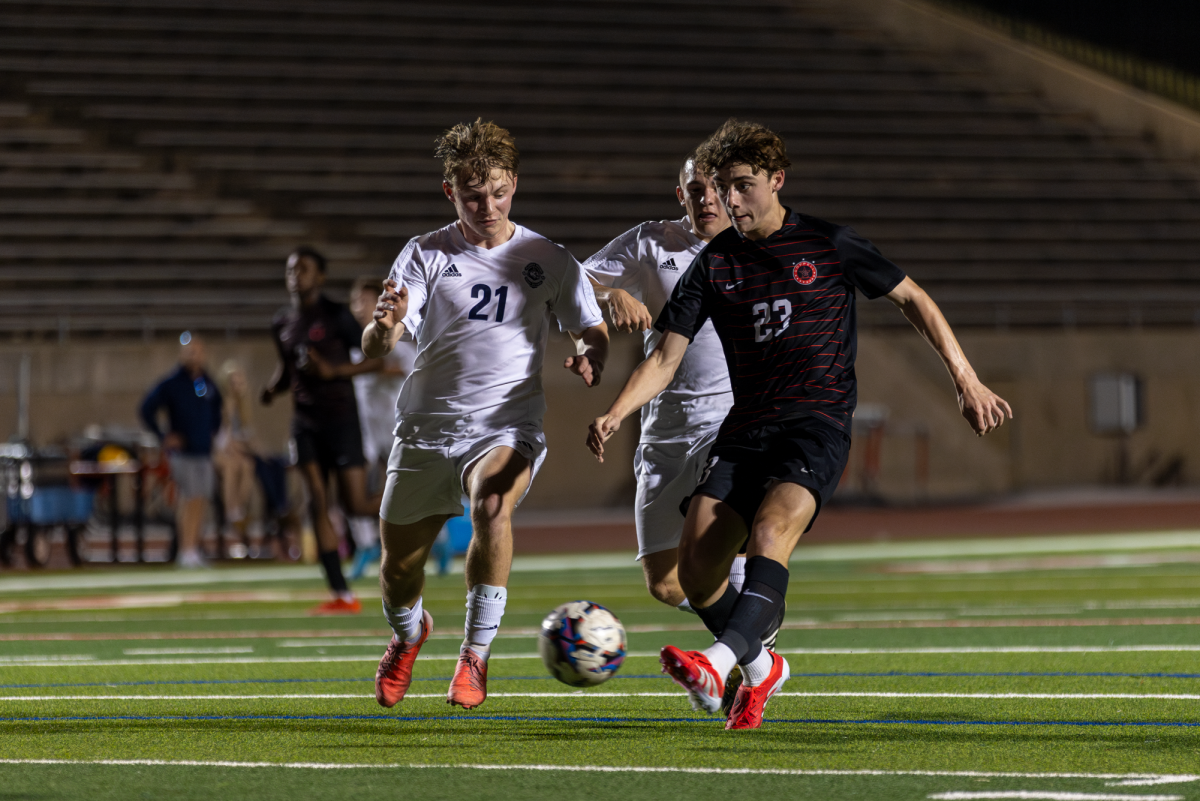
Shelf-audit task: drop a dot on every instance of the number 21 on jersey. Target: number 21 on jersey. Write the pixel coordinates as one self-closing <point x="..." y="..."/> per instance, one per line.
<point x="482" y="309"/>
<point x="763" y="329"/>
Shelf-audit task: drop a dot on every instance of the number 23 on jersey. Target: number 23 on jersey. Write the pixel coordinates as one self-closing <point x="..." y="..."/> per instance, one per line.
<point x="764" y="328"/>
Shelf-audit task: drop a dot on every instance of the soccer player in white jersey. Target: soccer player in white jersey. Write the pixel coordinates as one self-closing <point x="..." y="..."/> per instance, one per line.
<point x="376" y="395"/>
<point x="634" y="275"/>
<point x="477" y="296"/>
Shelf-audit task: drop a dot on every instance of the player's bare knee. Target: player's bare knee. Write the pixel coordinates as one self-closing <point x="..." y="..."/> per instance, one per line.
<point x="770" y="533"/>
<point x="666" y="591"/>
<point x="488" y="510"/>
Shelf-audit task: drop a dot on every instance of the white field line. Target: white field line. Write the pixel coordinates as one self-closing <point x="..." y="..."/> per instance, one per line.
<point x="41" y="660"/>
<point x="1120" y="779"/>
<point x="1105" y="543"/>
<point x="81" y="660"/>
<point x="1049" y="795"/>
<point x="245" y="649"/>
<point x="582" y="695"/>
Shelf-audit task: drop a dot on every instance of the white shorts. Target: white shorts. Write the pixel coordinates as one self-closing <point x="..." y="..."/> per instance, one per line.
<point x="426" y="479"/>
<point x="667" y="472"/>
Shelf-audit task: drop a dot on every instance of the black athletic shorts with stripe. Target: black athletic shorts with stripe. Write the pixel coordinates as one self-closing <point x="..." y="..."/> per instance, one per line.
<point x="743" y="467"/>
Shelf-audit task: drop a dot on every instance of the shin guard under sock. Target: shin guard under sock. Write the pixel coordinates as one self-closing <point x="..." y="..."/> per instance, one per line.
<point x="332" y="562"/>
<point x="760" y="601"/>
<point x="716" y="616"/>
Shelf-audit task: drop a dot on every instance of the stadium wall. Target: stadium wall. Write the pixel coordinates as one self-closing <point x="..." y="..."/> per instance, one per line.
<point x="903" y="388"/>
<point x="82" y="383"/>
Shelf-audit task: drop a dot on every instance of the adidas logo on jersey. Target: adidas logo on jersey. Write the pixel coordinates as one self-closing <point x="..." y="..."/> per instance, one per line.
<point x="451" y="272"/>
<point x="669" y="264"/>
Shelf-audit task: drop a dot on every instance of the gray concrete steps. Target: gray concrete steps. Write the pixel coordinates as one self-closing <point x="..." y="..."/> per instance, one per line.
<point x="166" y="154"/>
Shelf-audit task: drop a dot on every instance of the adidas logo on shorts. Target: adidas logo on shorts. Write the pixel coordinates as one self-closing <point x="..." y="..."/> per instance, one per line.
<point x="669" y="264"/>
<point x="451" y="272"/>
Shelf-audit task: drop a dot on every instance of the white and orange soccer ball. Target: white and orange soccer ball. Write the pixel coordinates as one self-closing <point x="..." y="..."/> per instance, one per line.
<point x="582" y="644"/>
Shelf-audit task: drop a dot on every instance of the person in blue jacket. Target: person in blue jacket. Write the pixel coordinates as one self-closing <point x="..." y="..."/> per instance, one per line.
<point x="193" y="406"/>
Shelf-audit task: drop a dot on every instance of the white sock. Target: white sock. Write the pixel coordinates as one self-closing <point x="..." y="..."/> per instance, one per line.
<point x="756" y="671"/>
<point x="721" y="658"/>
<point x="737" y="572"/>
<point x="405" y="621"/>
<point x="365" y="531"/>
<point x="485" y="608"/>
<point x="686" y="606"/>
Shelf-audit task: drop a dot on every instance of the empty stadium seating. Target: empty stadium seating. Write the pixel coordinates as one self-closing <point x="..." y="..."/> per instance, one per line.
<point x="158" y="158"/>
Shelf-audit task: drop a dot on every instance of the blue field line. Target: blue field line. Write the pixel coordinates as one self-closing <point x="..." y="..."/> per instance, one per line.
<point x="555" y="719"/>
<point x="882" y="674"/>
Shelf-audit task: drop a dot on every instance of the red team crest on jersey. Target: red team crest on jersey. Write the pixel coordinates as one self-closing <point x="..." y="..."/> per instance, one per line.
<point x="316" y="332"/>
<point x="805" y="272"/>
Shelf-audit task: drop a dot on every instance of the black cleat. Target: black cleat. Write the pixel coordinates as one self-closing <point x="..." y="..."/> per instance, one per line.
<point x="732" y="682"/>
<point x="772" y="632"/>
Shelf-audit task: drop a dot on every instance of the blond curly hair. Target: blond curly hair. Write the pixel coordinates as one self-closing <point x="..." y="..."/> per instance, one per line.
<point x="470" y="151"/>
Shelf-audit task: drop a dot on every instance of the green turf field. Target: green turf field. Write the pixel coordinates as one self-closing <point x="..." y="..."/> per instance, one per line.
<point x="1050" y="669"/>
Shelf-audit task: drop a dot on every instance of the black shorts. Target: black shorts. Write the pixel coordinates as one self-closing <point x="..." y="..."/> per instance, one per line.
<point x="335" y="443"/>
<point x="743" y="467"/>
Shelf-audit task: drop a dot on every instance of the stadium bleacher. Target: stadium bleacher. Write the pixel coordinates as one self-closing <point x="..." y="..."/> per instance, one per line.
<point x="158" y="158"/>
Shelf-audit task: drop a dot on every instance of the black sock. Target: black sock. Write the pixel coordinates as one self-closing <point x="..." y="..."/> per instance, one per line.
<point x="332" y="562"/>
<point x="716" y="616"/>
<point x="761" y="599"/>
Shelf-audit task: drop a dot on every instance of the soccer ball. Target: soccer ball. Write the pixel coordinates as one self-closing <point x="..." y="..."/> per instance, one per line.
<point x="582" y="644"/>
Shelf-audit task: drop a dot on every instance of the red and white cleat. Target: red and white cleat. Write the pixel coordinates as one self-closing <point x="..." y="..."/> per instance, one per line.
<point x="395" y="669"/>
<point x="748" y="705"/>
<point x="692" y="671"/>
<point x="468" y="685"/>
<point x="338" y="606"/>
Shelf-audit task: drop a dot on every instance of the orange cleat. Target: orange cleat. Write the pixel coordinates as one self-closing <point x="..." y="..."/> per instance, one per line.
<point x="395" y="669"/>
<point x="748" y="705"/>
<point x="338" y="606"/>
<point x="692" y="671"/>
<point x="468" y="686"/>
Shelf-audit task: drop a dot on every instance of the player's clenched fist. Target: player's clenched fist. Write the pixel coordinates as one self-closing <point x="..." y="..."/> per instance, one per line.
<point x="628" y="314"/>
<point x="587" y="368"/>
<point x="392" y="305"/>
<point x="599" y="432"/>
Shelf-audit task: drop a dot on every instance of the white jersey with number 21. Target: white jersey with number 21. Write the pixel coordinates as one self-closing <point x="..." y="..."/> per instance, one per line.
<point x="481" y="319"/>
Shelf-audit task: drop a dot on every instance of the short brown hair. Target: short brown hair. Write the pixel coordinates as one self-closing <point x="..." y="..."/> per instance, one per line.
<point x="470" y="151"/>
<point x="749" y="143"/>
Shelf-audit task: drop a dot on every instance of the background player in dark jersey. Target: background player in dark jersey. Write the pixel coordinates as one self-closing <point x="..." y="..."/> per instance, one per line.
<point x="779" y="287"/>
<point x="314" y="337"/>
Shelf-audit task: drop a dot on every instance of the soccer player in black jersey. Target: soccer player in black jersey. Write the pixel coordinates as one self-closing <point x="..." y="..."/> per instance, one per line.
<point x="779" y="287"/>
<point x="314" y="336"/>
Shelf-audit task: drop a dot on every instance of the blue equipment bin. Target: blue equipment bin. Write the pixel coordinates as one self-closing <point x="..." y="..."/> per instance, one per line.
<point x="52" y="506"/>
<point x="459" y="530"/>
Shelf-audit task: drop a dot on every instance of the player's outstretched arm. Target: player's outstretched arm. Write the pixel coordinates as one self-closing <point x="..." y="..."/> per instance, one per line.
<point x="983" y="409"/>
<point x="591" y="348"/>
<point x="650" y="378"/>
<point x="387" y="327"/>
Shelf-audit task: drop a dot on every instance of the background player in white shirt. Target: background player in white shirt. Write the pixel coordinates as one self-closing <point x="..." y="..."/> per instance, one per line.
<point x="477" y="295"/>
<point x="635" y="274"/>
<point x="376" y="394"/>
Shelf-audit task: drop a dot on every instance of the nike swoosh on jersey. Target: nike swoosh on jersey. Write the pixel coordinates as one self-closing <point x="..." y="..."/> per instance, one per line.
<point x="733" y="286"/>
